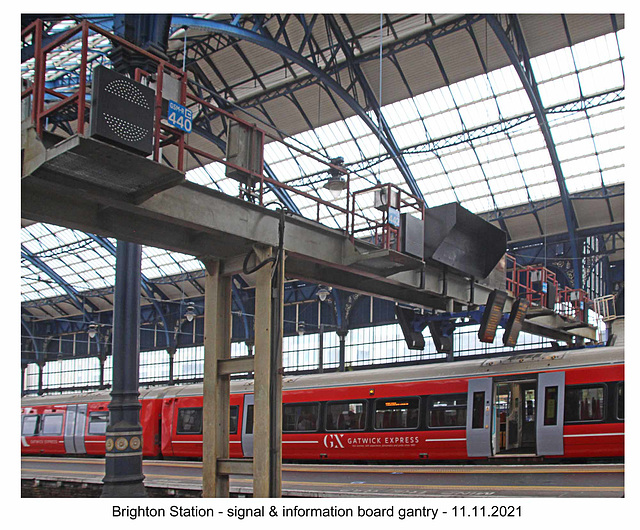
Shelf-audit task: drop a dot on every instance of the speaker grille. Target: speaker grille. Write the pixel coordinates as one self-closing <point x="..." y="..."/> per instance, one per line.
<point x="122" y="111"/>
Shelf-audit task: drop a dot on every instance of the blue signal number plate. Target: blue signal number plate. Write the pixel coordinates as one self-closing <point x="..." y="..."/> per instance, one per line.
<point x="180" y="117"/>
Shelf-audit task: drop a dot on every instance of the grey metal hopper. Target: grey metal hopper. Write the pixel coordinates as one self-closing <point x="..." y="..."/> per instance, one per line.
<point x="462" y="240"/>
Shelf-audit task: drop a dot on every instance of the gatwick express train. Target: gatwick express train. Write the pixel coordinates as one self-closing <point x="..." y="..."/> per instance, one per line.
<point x="563" y="404"/>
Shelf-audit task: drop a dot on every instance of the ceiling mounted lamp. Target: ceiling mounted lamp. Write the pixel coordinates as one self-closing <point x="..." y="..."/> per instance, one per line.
<point x="190" y="313"/>
<point x="323" y="292"/>
<point x="93" y="330"/>
<point x="336" y="183"/>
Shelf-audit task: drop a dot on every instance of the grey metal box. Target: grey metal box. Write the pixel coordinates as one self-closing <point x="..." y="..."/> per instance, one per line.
<point x="411" y="235"/>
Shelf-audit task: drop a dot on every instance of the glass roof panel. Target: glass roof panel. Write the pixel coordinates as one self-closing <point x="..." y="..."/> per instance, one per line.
<point x="515" y="165"/>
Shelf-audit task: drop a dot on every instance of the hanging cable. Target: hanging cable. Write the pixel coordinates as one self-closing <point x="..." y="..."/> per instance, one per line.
<point x="273" y="259"/>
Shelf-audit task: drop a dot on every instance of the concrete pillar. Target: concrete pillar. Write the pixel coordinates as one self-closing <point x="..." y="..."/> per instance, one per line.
<point x="217" y="346"/>
<point x="267" y="441"/>
<point x="123" y="462"/>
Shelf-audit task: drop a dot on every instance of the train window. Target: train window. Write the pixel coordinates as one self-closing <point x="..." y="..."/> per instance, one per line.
<point x="477" y="419"/>
<point x="397" y="413"/>
<point x="584" y="403"/>
<point x="298" y="417"/>
<point x="30" y="424"/>
<point x="98" y="422"/>
<point x="189" y="421"/>
<point x="248" y="421"/>
<point x="551" y="405"/>
<point x="447" y="410"/>
<point x="345" y="415"/>
<point x="51" y="425"/>
<point x="233" y="419"/>
<point x="620" y="402"/>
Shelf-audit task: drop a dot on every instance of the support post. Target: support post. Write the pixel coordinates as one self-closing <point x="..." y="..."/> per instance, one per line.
<point x="217" y="346"/>
<point x="171" y="351"/>
<point x="342" y="335"/>
<point x="321" y="349"/>
<point x="41" y="365"/>
<point x="267" y="445"/>
<point x="123" y="462"/>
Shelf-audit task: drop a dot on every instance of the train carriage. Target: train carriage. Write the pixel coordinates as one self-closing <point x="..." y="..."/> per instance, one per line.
<point x="565" y="404"/>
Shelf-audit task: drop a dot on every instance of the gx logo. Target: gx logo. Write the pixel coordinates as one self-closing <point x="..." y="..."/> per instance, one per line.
<point x="333" y="441"/>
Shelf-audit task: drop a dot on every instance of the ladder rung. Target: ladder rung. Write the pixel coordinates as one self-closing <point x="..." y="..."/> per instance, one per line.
<point x="235" y="365"/>
<point x="235" y="466"/>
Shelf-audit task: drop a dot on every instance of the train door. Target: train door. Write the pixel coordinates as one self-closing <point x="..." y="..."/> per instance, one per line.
<point x="514" y="417"/>
<point x="550" y="422"/>
<point x="479" y="417"/>
<point x="247" y="426"/>
<point x="74" y="426"/>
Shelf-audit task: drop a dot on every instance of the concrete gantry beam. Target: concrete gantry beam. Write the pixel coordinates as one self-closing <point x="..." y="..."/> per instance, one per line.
<point x="208" y="224"/>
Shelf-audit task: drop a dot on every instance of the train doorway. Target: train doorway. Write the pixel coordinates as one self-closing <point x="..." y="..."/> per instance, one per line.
<point x="514" y="417"/>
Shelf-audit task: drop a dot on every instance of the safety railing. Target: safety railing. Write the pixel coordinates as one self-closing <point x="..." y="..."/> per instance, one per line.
<point x="534" y="282"/>
<point x="391" y="201"/>
<point x="184" y="150"/>
<point x="573" y="303"/>
<point x="540" y="286"/>
<point x="605" y="306"/>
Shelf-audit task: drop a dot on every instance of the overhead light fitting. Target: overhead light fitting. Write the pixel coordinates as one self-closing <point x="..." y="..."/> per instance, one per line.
<point x="301" y="328"/>
<point x="190" y="313"/>
<point x="93" y="330"/>
<point x="323" y="292"/>
<point x="336" y="183"/>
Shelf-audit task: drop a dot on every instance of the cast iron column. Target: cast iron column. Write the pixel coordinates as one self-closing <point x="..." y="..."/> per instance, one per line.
<point x="342" y="335"/>
<point x="123" y="462"/>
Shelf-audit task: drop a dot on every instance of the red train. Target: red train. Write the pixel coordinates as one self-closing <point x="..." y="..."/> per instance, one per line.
<point x="566" y="404"/>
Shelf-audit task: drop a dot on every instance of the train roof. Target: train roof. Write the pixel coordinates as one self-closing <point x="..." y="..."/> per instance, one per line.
<point x="490" y="366"/>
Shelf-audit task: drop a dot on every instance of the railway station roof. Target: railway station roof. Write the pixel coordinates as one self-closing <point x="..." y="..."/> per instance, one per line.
<point x="435" y="104"/>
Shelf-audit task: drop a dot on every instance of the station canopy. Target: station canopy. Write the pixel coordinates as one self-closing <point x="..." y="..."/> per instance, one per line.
<point x="445" y="92"/>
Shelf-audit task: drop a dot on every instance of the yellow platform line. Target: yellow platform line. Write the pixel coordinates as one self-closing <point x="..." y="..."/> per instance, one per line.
<point x="524" y="469"/>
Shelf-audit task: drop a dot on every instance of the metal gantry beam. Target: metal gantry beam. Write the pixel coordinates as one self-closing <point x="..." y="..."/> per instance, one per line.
<point x="521" y="62"/>
<point x="293" y="56"/>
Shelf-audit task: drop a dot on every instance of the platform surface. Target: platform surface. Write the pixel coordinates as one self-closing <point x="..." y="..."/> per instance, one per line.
<point x="339" y="480"/>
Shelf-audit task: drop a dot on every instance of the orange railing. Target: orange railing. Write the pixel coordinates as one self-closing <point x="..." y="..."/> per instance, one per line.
<point x="540" y="286"/>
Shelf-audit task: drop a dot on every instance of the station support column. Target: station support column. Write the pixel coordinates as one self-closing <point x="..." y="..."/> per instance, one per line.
<point x="267" y="444"/>
<point x="266" y="364"/>
<point x="217" y="346"/>
<point x="123" y="459"/>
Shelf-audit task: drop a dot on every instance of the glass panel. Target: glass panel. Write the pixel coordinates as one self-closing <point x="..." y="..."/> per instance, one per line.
<point x="300" y="417"/>
<point x="233" y="420"/>
<point x="551" y="405"/>
<point x="51" y="424"/>
<point x="98" y="422"/>
<point x="448" y="411"/>
<point x="346" y="416"/>
<point x="189" y="421"/>
<point x="397" y="413"/>
<point x="478" y="411"/>
<point x="30" y="425"/>
<point x="620" y="412"/>
<point x="249" y="420"/>
<point x="584" y="404"/>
